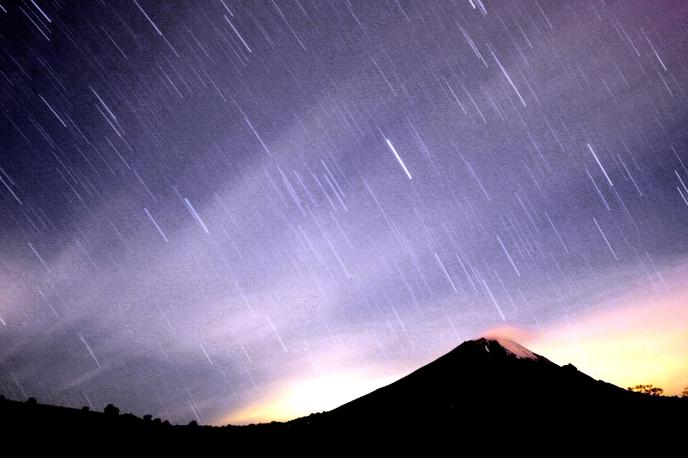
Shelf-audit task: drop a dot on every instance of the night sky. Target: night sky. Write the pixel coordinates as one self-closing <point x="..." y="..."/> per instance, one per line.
<point x="204" y="202"/>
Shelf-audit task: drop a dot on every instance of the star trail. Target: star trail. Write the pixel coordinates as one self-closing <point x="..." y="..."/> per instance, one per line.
<point x="202" y="202"/>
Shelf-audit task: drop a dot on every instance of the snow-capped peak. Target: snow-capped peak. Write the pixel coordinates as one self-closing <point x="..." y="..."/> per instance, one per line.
<point x="515" y="349"/>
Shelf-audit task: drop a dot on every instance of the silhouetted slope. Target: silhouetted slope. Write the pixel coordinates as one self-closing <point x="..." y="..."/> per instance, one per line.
<point x="481" y="389"/>
<point x="486" y="381"/>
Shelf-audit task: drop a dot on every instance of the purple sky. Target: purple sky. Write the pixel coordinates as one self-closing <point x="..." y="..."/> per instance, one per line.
<point x="203" y="201"/>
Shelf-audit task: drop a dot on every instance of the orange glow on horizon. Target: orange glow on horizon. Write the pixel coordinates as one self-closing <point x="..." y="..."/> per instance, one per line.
<point x="303" y="397"/>
<point x="626" y="346"/>
<point x="642" y="343"/>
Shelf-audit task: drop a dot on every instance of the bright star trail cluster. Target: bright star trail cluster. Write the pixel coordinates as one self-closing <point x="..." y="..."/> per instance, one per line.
<point x="200" y="200"/>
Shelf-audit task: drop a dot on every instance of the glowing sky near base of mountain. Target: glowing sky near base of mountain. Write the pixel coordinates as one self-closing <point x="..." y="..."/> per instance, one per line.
<point x="203" y="203"/>
<point x="638" y="339"/>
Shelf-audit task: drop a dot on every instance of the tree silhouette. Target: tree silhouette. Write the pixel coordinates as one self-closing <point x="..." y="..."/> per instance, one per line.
<point x="684" y="394"/>
<point x="647" y="389"/>
<point x="111" y="410"/>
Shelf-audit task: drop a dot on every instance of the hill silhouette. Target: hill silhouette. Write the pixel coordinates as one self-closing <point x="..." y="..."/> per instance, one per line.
<point x="483" y="388"/>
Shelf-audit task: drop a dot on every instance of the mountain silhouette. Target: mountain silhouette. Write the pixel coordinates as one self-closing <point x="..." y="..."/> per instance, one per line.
<point x="482" y="389"/>
<point x="480" y="378"/>
<point x="496" y="386"/>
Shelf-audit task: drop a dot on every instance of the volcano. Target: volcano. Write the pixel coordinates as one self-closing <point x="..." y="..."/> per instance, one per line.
<point x="493" y="383"/>
<point x="483" y="391"/>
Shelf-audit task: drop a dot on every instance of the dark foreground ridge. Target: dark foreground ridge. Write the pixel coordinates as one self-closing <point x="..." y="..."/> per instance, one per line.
<point x="484" y="388"/>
